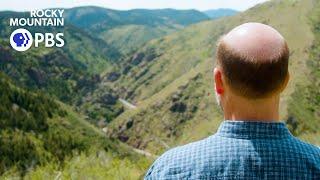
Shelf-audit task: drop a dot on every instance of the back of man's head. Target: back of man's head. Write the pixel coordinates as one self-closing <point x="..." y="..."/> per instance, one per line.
<point x="253" y="58"/>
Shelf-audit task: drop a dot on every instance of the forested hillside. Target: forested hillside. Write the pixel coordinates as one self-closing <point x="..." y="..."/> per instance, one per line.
<point x="129" y="85"/>
<point x="39" y="134"/>
<point x="66" y="73"/>
<point x="34" y="129"/>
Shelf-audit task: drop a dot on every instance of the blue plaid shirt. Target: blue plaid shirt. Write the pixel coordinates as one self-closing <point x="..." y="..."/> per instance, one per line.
<point x="241" y="150"/>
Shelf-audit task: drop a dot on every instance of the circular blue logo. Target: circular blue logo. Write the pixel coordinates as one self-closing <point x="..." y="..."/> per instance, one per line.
<point x="21" y="39"/>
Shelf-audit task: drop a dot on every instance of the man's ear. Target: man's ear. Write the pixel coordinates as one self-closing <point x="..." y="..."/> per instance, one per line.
<point x="218" y="83"/>
<point x="285" y="82"/>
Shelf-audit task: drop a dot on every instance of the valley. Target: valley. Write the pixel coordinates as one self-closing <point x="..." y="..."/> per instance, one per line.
<point x="128" y="85"/>
<point x="170" y="79"/>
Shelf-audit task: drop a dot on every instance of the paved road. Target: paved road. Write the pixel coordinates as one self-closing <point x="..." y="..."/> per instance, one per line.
<point x="127" y="104"/>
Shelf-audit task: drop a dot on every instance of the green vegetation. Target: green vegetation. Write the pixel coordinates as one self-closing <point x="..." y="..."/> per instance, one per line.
<point x="75" y="70"/>
<point x="66" y="73"/>
<point x="155" y="72"/>
<point x="128" y="30"/>
<point x="81" y="49"/>
<point x="305" y="104"/>
<point x="40" y="136"/>
<point x="129" y="38"/>
<point x="29" y="135"/>
<point x="48" y="70"/>
<point x="60" y="114"/>
<point x="96" y="165"/>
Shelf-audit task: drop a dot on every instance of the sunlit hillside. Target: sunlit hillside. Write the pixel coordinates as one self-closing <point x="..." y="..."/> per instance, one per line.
<point x="128" y="30"/>
<point x="119" y="94"/>
<point x="170" y="79"/>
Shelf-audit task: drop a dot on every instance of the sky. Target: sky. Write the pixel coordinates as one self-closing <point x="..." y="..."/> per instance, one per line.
<point x="27" y="5"/>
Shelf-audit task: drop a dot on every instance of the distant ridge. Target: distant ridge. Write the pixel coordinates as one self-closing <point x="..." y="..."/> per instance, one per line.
<point x="127" y="30"/>
<point x="221" y="12"/>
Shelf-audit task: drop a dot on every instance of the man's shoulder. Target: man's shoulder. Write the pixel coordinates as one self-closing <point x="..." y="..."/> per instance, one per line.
<point x="180" y="153"/>
<point x="181" y="159"/>
<point x="307" y="148"/>
<point x="212" y="152"/>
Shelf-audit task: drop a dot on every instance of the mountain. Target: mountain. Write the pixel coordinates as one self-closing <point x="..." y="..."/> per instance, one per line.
<point x="38" y="131"/>
<point x="80" y="46"/>
<point x="143" y="94"/>
<point x="221" y="12"/>
<point x="74" y="70"/>
<point x="169" y="80"/>
<point x="127" y="30"/>
<point x="101" y="19"/>
<point x="39" y="134"/>
<point x="63" y="72"/>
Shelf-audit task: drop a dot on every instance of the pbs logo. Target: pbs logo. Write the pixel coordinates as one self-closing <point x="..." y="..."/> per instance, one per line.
<point x="21" y="39"/>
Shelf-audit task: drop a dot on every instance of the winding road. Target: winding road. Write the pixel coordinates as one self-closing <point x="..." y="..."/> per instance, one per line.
<point x="127" y="104"/>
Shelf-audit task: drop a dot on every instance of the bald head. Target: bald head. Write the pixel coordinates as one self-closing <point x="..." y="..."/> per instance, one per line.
<point x="255" y="41"/>
<point x="254" y="59"/>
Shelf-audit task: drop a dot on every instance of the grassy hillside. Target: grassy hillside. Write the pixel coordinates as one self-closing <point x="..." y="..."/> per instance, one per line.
<point x="111" y="55"/>
<point x="129" y="38"/>
<point x="128" y="30"/>
<point x="170" y="79"/>
<point x="304" y="107"/>
<point x="74" y="70"/>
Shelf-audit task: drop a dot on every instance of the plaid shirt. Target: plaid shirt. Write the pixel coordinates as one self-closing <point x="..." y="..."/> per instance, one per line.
<point x="241" y="150"/>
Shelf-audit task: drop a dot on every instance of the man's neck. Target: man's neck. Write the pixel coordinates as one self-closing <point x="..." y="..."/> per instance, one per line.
<point x="264" y="110"/>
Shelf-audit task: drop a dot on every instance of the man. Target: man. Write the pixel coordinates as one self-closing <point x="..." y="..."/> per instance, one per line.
<point x="251" y="71"/>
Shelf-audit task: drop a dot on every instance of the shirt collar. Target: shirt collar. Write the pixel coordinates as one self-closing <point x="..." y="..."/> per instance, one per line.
<point x="253" y="130"/>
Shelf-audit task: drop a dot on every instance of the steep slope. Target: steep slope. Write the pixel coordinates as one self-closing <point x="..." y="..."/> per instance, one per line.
<point x="169" y="79"/>
<point x="304" y="107"/>
<point x="128" y="30"/>
<point x="87" y="50"/>
<point x="39" y="134"/>
<point x="217" y="13"/>
<point x="34" y="129"/>
<point x="67" y="72"/>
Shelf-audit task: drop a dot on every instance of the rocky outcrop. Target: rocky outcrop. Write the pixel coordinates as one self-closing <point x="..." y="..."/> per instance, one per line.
<point x="37" y="76"/>
<point x="137" y="58"/>
<point x="109" y="99"/>
<point x="113" y="76"/>
<point x="178" y="107"/>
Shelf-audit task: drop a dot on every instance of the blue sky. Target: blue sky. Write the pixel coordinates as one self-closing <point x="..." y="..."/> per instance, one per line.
<point x="24" y="5"/>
